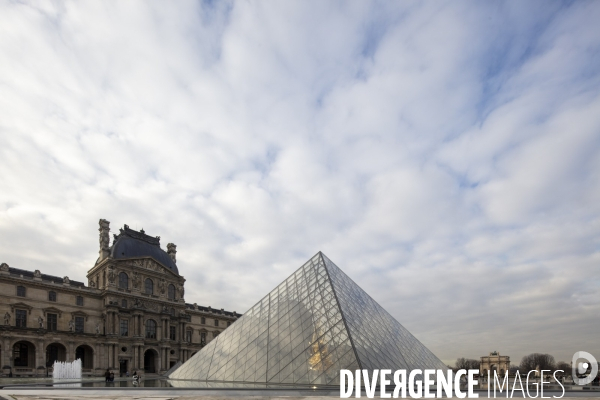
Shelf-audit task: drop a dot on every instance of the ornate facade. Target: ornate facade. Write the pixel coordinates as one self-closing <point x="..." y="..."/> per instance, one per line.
<point x="131" y="316"/>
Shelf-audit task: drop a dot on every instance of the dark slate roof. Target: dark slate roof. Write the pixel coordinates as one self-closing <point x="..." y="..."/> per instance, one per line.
<point x="45" y="278"/>
<point x="214" y="311"/>
<point x="130" y="243"/>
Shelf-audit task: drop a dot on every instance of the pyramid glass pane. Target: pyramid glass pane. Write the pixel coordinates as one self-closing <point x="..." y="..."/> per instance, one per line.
<point x="381" y="342"/>
<point x="315" y="323"/>
<point x="292" y="336"/>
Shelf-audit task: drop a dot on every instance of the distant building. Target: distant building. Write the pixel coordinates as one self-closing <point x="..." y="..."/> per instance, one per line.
<point x="131" y="316"/>
<point x="494" y="362"/>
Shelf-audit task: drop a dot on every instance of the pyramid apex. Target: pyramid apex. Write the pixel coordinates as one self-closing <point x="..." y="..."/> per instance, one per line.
<point x="312" y="325"/>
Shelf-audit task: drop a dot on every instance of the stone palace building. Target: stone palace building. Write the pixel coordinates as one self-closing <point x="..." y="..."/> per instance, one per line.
<point x="131" y="316"/>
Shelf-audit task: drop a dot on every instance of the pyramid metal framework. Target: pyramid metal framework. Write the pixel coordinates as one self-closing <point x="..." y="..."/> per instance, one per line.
<point x="315" y="323"/>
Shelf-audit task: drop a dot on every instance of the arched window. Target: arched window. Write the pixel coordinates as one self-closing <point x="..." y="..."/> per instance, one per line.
<point x="86" y="354"/>
<point x="171" y="292"/>
<point x="123" y="280"/>
<point x="150" y="329"/>
<point x="23" y="354"/>
<point x="149" y="286"/>
<point x="51" y="295"/>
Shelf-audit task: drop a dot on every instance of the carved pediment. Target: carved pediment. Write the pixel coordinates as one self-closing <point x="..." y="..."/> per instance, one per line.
<point x="52" y="310"/>
<point x="149" y="264"/>
<point x="21" y="306"/>
<point x="79" y="314"/>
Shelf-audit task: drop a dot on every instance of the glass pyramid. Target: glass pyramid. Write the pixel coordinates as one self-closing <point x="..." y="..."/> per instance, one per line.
<point x="315" y="323"/>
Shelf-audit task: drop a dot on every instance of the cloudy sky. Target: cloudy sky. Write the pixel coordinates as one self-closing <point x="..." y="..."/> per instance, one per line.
<point x="445" y="155"/>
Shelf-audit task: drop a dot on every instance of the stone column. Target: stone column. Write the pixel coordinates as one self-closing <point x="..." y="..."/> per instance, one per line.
<point x="108" y="356"/>
<point x="134" y="360"/>
<point x="141" y="359"/>
<point x="6" y="352"/>
<point x="70" y="351"/>
<point x="109" y="322"/>
<point x="105" y="356"/>
<point x="40" y="356"/>
<point x="134" y="327"/>
<point x="96" y="361"/>
<point x="99" y="356"/>
<point x="165" y="326"/>
<point x="116" y="355"/>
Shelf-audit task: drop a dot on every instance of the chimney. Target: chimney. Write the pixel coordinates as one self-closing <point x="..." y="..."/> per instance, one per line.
<point x="172" y="250"/>
<point x="104" y="238"/>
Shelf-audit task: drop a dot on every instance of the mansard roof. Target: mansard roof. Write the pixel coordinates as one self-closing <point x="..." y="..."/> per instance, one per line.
<point x="130" y="243"/>
<point x="45" y="277"/>
<point x="211" y="310"/>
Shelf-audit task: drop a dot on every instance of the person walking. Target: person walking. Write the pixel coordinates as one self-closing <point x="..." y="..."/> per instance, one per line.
<point x="136" y="378"/>
<point x="107" y="375"/>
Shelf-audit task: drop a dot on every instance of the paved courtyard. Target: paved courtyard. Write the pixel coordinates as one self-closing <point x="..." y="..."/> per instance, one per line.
<point x="167" y="394"/>
<point x="140" y="397"/>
